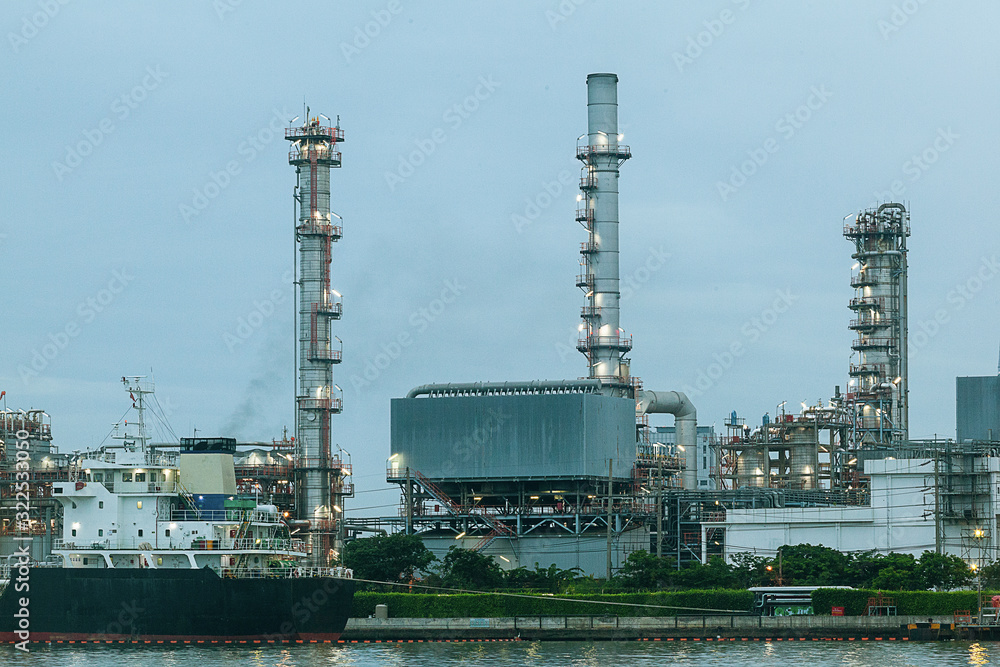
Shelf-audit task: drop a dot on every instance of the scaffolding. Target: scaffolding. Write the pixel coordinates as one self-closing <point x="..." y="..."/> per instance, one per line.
<point x="804" y="451"/>
<point x="877" y="394"/>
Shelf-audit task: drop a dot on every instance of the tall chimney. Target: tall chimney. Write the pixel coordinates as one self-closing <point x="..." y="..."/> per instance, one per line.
<point x="602" y="340"/>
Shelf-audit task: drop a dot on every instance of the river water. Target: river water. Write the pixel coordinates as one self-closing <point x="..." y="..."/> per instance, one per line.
<point x="535" y="654"/>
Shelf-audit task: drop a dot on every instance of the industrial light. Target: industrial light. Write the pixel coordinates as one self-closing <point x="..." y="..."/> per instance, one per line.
<point x="534" y="497"/>
<point x="337" y="508"/>
<point x="856" y="265"/>
<point x="621" y="136"/>
<point x="579" y="197"/>
<point x="897" y="380"/>
<point x="394" y="456"/>
<point x="681" y="447"/>
<point x="503" y="559"/>
<point x="979" y="532"/>
<point x="460" y="535"/>
<point x="477" y="498"/>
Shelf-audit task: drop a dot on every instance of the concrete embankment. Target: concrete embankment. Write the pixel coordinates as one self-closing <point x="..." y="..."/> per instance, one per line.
<point x="679" y="628"/>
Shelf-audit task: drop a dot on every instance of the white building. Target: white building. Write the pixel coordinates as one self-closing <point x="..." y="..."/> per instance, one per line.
<point x="914" y="508"/>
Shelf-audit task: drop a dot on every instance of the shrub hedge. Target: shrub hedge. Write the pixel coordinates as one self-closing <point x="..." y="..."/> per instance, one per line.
<point x="483" y="605"/>
<point x="915" y="603"/>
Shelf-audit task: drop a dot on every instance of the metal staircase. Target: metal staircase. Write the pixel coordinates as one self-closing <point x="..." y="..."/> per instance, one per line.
<point x="497" y="527"/>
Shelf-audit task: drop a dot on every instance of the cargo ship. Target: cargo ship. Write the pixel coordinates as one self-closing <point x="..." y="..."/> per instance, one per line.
<point x="160" y="548"/>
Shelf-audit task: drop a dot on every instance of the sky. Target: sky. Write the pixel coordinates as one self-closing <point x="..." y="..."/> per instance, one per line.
<point x="146" y="200"/>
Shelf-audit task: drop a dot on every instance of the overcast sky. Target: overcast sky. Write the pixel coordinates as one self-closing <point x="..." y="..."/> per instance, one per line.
<point x="147" y="214"/>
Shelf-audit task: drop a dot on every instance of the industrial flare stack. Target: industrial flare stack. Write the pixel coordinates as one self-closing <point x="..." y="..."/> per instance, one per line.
<point x="319" y="474"/>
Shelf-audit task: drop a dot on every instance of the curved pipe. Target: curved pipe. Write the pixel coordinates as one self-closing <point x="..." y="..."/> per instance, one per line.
<point x="685" y="423"/>
<point x="532" y="387"/>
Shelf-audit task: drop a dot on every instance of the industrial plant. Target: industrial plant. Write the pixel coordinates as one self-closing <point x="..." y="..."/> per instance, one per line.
<point x="571" y="471"/>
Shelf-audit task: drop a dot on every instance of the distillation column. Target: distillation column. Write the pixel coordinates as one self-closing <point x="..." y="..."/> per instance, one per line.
<point x="878" y="390"/>
<point x="602" y="340"/>
<point x="313" y="153"/>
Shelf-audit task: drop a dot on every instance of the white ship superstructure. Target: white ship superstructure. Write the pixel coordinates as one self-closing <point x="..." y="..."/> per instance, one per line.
<point x="131" y="507"/>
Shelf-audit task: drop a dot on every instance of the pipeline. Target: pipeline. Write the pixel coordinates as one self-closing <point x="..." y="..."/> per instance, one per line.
<point x="508" y="388"/>
<point x="685" y="422"/>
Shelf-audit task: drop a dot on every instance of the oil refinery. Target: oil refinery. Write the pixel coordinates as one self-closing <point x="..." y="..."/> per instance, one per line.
<point x="579" y="472"/>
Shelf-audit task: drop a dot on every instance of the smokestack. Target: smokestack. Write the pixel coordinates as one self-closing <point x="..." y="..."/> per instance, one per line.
<point x="602" y="340"/>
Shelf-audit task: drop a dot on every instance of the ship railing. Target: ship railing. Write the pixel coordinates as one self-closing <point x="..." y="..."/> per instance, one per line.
<point x="233" y="516"/>
<point x="265" y="544"/>
<point x="288" y="573"/>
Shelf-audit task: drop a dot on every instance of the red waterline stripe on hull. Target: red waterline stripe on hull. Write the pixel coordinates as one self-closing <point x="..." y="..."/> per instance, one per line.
<point x="84" y="638"/>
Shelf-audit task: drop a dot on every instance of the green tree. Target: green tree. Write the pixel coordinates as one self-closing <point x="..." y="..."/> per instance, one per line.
<point x="750" y="570"/>
<point x="551" y="579"/>
<point x="990" y="575"/>
<point x="714" y="574"/>
<point x="468" y="569"/>
<point x="808" y="565"/>
<point x="391" y="558"/>
<point x="943" y="572"/>
<point x="643" y="571"/>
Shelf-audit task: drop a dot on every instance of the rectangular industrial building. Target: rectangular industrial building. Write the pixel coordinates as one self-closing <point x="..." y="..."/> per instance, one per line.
<point x="519" y="437"/>
<point x="977" y="408"/>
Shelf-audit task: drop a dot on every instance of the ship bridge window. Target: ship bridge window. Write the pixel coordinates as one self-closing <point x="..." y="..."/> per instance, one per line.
<point x="126" y="477"/>
<point x="140" y="477"/>
<point x="140" y="532"/>
<point x="100" y="532"/>
<point x="166" y="533"/>
<point x="100" y="504"/>
<point x="73" y="533"/>
<point x="98" y="476"/>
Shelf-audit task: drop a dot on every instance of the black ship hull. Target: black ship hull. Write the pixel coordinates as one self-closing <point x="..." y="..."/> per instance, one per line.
<point x="83" y="604"/>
